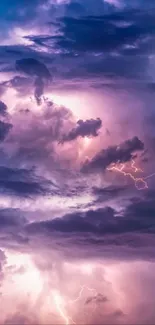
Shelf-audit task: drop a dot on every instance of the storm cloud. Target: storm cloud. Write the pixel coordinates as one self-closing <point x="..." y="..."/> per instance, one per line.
<point x="114" y="154"/>
<point x="86" y="128"/>
<point x="4" y="129"/>
<point x="34" y="68"/>
<point x="3" y="109"/>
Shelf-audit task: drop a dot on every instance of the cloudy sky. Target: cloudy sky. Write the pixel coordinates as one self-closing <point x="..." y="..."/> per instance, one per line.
<point x="77" y="162"/>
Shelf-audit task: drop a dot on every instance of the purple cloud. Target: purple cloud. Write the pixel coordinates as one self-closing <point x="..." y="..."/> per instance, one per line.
<point x="114" y="154"/>
<point x="88" y="128"/>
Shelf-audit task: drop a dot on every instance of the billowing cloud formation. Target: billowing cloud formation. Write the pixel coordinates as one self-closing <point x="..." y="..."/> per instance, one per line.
<point x="33" y="67"/>
<point x="37" y="142"/>
<point x="84" y="129"/>
<point x="114" y="154"/>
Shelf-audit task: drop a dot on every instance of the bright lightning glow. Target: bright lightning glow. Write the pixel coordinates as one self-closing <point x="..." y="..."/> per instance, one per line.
<point x="137" y="180"/>
<point x="136" y="169"/>
<point x="27" y="279"/>
<point x="29" y="286"/>
<point x="59" y="302"/>
<point x="87" y="142"/>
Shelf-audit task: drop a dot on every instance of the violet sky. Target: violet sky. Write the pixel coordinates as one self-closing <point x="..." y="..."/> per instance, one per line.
<point x="77" y="162"/>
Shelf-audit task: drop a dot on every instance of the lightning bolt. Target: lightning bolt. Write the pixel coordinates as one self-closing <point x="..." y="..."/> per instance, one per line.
<point x="60" y="304"/>
<point x="60" y="308"/>
<point x="136" y="169"/>
<point x="80" y="295"/>
<point x="81" y="291"/>
<point x="137" y="180"/>
<point x="149" y="176"/>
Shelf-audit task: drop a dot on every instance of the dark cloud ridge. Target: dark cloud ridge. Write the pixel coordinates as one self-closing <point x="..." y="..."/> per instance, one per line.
<point x="37" y="69"/>
<point x="4" y="129"/>
<point x="3" y="109"/>
<point x="104" y="230"/>
<point x="114" y="154"/>
<point x="23" y="182"/>
<point x="138" y="216"/>
<point x="109" y="32"/>
<point x="83" y="129"/>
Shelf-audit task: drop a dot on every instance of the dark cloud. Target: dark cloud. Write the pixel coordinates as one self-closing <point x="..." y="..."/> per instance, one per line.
<point x="110" y="192"/>
<point x="114" y="154"/>
<point x="98" y="299"/>
<point x="3" y="109"/>
<point x="112" y="66"/>
<point x="22" y="182"/>
<point x="22" y="188"/>
<point x="84" y="129"/>
<point x="143" y="210"/>
<point x="104" y="221"/>
<point x="39" y="89"/>
<point x="109" y="32"/>
<point x="11" y="218"/>
<point x="125" y="232"/>
<point x="122" y="38"/>
<point x="76" y="8"/>
<point x="78" y="222"/>
<point x="12" y="223"/>
<point x="4" y="129"/>
<point x="38" y="69"/>
<point x="33" y="67"/>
